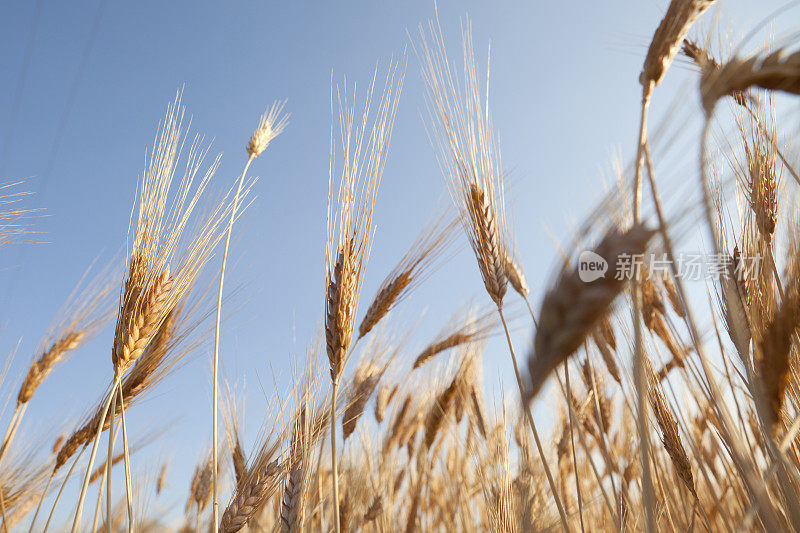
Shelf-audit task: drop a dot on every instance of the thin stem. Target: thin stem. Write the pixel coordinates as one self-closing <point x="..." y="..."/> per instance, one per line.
<point x="96" y="444"/>
<point x="572" y="444"/>
<point x="528" y="416"/>
<point x="60" y="491"/>
<point x="641" y="405"/>
<point x="216" y="346"/>
<point x="126" y="455"/>
<point x="638" y="360"/>
<point x="13" y="424"/>
<point x="530" y="310"/>
<point x="41" y="499"/>
<point x="100" y="492"/>
<point x="637" y="181"/>
<point x="334" y="467"/>
<point x="588" y="453"/>
<point x="109" y="460"/>
<point x="319" y="467"/>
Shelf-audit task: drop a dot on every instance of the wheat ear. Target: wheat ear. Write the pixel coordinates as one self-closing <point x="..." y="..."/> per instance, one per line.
<point x="573" y="308"/>
<point x="250" y="496"/>
<point x="778" y="71"/>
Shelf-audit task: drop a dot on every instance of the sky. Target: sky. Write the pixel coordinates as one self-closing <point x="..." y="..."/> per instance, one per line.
<point x="85" y="84"/>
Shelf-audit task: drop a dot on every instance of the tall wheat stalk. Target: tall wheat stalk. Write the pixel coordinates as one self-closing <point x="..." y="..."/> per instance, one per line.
<point x="271" y="125"/>
<point x="469" y="160"/>
<point x="664" y="46"/>
<point x="164" y="262"/>
<point x="364" y="151"/>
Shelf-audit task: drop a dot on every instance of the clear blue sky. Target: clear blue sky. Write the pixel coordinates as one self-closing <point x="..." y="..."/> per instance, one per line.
<point x="97" y="78"/>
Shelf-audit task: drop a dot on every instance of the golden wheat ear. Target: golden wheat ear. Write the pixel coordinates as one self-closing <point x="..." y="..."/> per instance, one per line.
<point x="425" y="255"/>
<point x="669" y="36"/>
<point x="262" y="481"/>
<point x="364" y="382"/>
<point x="670" y="433"/>
<point x="477" y="325"/>
<point x="86" y="311"/>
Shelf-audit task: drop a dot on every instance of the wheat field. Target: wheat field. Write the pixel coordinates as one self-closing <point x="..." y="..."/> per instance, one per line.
<point x="650" y="396"/>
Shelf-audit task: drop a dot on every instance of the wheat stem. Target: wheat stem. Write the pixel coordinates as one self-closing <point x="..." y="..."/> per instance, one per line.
<point x="638" y="360"/>
<point x="587" y="451"/>
<point x="334" y="467"/>
<point x="572" y="444"/>
<point x="528" y="416"/>
<point x="100" y="491"/>
<point x="100" y="423"/>
<point x="60" y="491"/>
<point x="13" y="424"/>
<point x="128" y="487"/>
<point x="214" y="407"/>
<point x="109" y="460"/>
<point x="41" y="499"/>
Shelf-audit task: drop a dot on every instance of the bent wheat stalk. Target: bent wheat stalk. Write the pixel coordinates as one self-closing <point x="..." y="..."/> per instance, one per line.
<point x="664" y="46"/>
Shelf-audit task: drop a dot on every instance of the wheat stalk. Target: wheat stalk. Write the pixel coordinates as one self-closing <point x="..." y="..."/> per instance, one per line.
<point x="161" y="271"/>
<point x="271" y="125"/>
<point x="470" y="162"/>
<point x="349" y="231"/>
